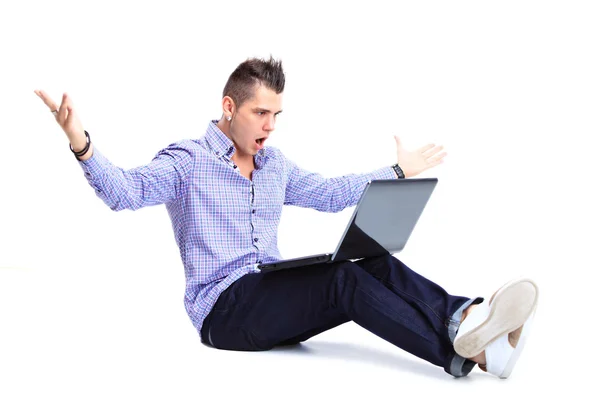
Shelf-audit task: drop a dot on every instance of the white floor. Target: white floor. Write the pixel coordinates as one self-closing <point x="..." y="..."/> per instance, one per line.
<point x="98" y="334"/>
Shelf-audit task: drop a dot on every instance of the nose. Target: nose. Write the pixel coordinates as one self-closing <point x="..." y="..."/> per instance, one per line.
<point x="270" y="124"/>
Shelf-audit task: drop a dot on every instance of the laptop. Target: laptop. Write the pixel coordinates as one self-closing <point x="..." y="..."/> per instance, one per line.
<point x="382" y="222"/>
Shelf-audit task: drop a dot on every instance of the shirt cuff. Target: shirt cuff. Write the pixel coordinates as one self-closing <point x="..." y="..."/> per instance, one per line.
<point x="95" y="164"/>
<point x="383" y="173"/>
<point x="95" y="167"/>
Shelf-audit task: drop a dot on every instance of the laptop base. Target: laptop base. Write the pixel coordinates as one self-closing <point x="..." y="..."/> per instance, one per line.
<point x="295" y="262"/>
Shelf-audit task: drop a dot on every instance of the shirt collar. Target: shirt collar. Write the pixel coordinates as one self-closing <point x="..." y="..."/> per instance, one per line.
<point x="222" y="146"/>
<point x="219" y="143"/>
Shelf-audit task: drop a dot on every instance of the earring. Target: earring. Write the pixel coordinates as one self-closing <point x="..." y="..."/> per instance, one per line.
<point x="229" y="118"/>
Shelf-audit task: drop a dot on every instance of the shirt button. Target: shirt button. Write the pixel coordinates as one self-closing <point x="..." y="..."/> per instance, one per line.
<point x="253" y="211"/>
<point x="88" y="174"/>
<point x="255" y="240"/>
<point x="235" y="166"/>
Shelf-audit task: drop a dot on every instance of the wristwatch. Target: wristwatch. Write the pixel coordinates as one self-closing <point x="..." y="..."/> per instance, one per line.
<point x="398" y="171"/>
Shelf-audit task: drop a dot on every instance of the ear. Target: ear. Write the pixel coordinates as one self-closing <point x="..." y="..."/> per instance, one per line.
<point x="228" y="106"/>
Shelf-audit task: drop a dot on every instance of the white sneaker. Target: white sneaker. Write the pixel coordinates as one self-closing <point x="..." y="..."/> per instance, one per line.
<point x="499" y="327"/>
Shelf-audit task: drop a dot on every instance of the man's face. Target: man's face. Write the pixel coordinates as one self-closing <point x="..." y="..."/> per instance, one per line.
<point x="254" y="121"/>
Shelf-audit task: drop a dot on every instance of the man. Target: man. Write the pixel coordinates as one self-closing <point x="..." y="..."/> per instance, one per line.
<point x="224" y="193"/>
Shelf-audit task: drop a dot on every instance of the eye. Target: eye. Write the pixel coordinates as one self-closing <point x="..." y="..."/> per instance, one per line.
<point x="261" y="113"/>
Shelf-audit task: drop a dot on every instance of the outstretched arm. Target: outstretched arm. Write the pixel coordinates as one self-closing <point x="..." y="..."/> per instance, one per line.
<point x="160" y="181"/>
<point x="311" y="190"/>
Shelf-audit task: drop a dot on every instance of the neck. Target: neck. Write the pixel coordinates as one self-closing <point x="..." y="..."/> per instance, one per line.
<point x="243" y="159"/>
<point x="238" y="157"/>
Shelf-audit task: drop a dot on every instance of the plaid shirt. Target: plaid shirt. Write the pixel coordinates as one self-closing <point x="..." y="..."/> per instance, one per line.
<point x="224" y="224"/>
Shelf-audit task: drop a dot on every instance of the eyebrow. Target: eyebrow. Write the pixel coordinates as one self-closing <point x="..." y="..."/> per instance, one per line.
<point x="260" y="109"/>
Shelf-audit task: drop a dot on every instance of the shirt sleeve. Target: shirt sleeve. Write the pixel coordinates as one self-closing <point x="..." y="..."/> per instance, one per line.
<point x="311" y="190"/>
<point x="160" y="181"/>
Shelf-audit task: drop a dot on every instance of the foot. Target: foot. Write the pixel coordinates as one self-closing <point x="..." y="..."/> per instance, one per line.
<point x="495" y="331"/>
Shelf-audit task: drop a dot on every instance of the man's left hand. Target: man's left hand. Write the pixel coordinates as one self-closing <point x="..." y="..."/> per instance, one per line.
<point x="415" y="162"/>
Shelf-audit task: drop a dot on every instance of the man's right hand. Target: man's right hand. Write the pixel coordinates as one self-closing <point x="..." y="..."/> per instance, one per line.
<point x="68" y="121"/>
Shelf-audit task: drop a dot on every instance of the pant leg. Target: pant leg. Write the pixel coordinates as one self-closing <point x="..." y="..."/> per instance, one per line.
<point x="260" y="311"/>
<point x="264" y="310"/>
<point x="442" y="311"/>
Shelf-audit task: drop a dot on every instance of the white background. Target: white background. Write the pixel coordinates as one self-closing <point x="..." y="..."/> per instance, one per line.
<point x="91" y="301"/>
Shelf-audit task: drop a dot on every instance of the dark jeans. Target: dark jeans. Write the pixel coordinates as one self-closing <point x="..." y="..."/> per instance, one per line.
<point x="264" y="310"/>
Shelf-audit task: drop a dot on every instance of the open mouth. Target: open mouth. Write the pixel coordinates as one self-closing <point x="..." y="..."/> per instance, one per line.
<point x="260" y="141"/>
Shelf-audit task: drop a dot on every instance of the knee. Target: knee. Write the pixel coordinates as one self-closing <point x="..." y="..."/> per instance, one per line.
<point x="346" y="278"/>
<point x="346" y="272"/>
<point x="380" y="265"/>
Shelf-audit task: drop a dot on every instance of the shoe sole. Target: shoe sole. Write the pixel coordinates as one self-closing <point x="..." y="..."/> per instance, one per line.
<point x="511" y="306"/>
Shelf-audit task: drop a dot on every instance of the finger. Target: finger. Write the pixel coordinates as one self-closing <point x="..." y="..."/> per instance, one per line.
<point x="70" y="114"/>
<point x="426" y="147"/>
<point x="433" y="164"/>
<point x="432" y="151"/>
<point x="397" y="139"/>
<point x="62" y="110"/>
<point x="46" y="99"/>
<point x="436" y="159"/>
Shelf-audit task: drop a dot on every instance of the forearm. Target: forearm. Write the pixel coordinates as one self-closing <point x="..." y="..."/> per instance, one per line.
<point x="156" y="183"/>
<point x="332" y="194"/>
<point x="109" y="182"/>
<point x="347" y="192"/>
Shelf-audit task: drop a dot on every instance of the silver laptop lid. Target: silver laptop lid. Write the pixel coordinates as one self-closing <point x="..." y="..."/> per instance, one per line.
<point x="384" y="217"/>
